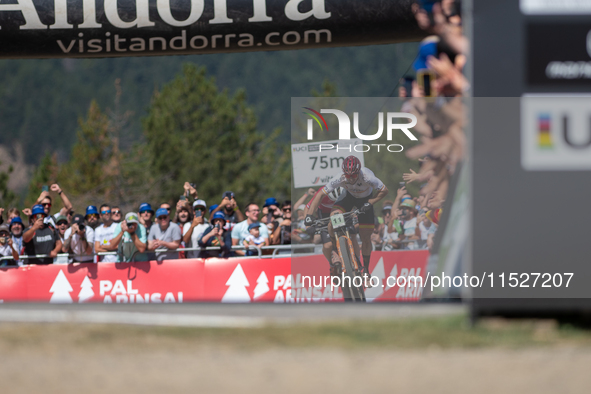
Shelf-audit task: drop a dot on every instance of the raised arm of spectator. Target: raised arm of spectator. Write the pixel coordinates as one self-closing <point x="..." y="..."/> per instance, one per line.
<point x="309" y="193"/>
<point x="239" y="214"/>
<point x="192" y="191"/>
<point x="65" y="200"/>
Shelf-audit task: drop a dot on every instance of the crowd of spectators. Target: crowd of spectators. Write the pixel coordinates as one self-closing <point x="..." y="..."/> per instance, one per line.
<point x="105" y="234"/>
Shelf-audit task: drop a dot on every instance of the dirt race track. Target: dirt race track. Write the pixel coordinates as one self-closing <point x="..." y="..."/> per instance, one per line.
<point x="75" y="358"/>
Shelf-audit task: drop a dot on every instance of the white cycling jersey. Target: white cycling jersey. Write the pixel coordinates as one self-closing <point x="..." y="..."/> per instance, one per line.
<point x="366" y="183"/>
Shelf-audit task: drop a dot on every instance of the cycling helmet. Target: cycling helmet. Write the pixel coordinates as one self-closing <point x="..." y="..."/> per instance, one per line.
<point x="351" y="166"/>
<point x="336" y="193"/>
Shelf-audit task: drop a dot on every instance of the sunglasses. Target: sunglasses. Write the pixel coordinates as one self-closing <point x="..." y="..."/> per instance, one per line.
<point x="93" y="215"/>
<point x="38" y="216"/>
<point x="167" y="208"/>
<point x="62" y="223"/>
<point x="200" y="209"/>
<point x="47" y="204"/>
<point x="352" y="176"/>
<point x="286" y="209"/>
<point x="116" y="212"/>
<point x="105" y="212"/>
<point x="162" y="217"/>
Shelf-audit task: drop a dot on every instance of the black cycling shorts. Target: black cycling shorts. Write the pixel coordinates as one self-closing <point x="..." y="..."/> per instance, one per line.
<point x="366" y="220"/>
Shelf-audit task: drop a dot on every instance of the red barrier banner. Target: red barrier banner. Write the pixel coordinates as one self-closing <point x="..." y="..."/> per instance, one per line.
<point x="172" y="281"/>
<point x="281" y="280"/>
<point x="393" y="271"/>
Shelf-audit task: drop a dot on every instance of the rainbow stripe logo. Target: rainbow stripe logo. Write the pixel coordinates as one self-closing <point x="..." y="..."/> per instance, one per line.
<point x="317" y="117"/>
<point x="544" y="131"/>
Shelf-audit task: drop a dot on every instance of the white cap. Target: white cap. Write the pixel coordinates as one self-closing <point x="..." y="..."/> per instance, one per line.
<point x="199" y="202"/>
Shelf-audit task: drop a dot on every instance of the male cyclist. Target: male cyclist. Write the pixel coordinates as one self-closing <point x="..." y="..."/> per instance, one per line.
<point x="325" y="206"/>
<point x="360" y="183"/>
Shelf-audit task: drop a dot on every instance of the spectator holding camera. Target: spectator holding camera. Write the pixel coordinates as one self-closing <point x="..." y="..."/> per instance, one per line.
<point x="6" y="248"/>
<point x="79" y="241"/>
<point x="164" y="235"/>
<point x="130" y="239"/>
<point x="193" y="230"/>
<point x="40" y="238"/>
<point x="217" y="235"/>
<point x="281" y="234"/>
<point x="230" y="209"/>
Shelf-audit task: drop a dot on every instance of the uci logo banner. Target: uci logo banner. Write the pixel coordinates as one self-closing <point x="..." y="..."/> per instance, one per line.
<point x="555" y="133"/>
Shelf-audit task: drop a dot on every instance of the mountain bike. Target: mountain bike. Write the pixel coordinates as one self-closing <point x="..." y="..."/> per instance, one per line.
<point x="343" y="226"/>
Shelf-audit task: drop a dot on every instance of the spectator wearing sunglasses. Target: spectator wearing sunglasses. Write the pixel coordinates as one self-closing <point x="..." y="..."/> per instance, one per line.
<point x="164" y="235"/>
<point x="104" y="233"/>
<point x="40" y="238"/>
<point x="46" y="201"/>
<point x="193" y="230"/>
<point x="281" y="234"/>
<point x="92" y="217"/>
<point x="116" y="215"/>
<point x="146" y="216"/>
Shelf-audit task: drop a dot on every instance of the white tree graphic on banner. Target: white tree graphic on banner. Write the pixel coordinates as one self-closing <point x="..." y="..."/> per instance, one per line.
<point x="262" y="286"/>
<point x="238" y="283"/>
<point x="86" y="292"/>
<point x="60" y="290"/>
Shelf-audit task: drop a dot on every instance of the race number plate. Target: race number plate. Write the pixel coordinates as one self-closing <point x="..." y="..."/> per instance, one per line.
<point x="337" y="220"/>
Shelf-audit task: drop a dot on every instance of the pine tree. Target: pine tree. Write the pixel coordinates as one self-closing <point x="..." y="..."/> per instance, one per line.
<point x="196" y="133"/>
<point x="7" y="196"/>
<point x="45" y="174"/>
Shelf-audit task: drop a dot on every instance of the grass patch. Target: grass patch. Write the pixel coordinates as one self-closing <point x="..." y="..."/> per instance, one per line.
<point x="441" y="332"/>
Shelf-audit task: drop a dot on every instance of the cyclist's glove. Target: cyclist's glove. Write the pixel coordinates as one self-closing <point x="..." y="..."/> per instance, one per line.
<point x="365" y="208"/>
<point x="309" y="220"/>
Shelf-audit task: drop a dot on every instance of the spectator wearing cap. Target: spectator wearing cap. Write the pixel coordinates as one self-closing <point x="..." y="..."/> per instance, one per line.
<point x="254" y="239"/>
<point x="79" y="241"/>
<point x="6" y="248"/>
<point x="201" y="207"/>
<point x="410" y="227"/>
<point x="104" y="233"/>
<point x="16" y="228"/>
<point x="216" y="235"/>
<point x="229" y="207"/>
<point x="40" y="238"/>
<point x="92" y="216"/>
<point x="116" y="215"/>
<point x="146" y="216"/>
<point x="130" y="239"/>
<point x="61" y="225"/>
<point x="240" y="231"/>
<point x="46" y="201"/>
<point x="193" y="230"/>
<point x="281" y="234"/>
<point x="164" y="235"/>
